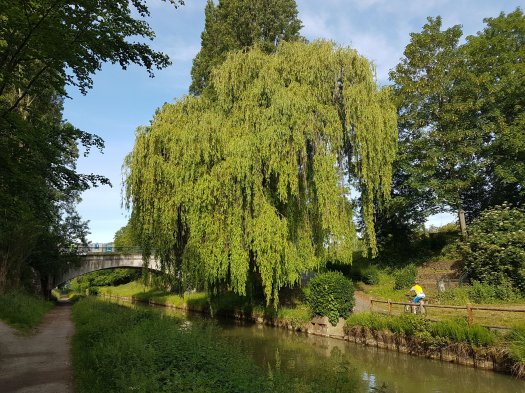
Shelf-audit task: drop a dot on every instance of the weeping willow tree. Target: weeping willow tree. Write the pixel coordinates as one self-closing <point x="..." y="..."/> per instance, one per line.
<point x="256" y="178"/>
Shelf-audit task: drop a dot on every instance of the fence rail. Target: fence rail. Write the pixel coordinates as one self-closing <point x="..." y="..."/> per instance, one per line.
<point x="108" y="249"/>
<point x="469" y="309"/>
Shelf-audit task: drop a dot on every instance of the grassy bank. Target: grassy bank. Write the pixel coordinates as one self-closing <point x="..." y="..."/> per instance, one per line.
<point x="454" y="335"/>
<point x="117" y="349"/>
<point x="294" y="313"/>
<point x="23" y="311"/>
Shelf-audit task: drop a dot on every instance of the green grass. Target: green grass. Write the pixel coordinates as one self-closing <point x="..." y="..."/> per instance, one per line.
<point x="384" y="289"/>
<point x="297" y="314"/>
<point x="452" y="330"/>
<point x="117" y="349"/>
<point x="517" y="340"/>
<point x="23" y="311"/>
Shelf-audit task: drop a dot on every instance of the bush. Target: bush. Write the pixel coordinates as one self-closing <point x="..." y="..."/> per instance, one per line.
<point x="495" y="251"/>
<point x="332" y="295"/>
<point x="370" y="275"/>
<point x="404" y="277"/>
<point x="479" y="293"/>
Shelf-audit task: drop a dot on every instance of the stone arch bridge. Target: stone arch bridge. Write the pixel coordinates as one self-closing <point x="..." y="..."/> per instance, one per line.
<point x="98" y="261"/>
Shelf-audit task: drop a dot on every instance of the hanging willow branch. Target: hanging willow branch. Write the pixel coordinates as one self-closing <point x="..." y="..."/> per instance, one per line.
<point x="257" y="177"/>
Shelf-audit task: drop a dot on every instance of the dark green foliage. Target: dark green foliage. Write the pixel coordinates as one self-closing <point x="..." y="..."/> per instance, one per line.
<point x="22" y="310"/>
<point x="45" y="46"/>
<point x="332" y="295"/>
<point x="239" y="24"/>
<point x="461" y="139"/>
<point x="480" y="293"/>
<point x="370" y="275"/>
<point x="116" y="349"/>
<point x="405" y="277"/>
<point x="495" y="250"/>
<point x="102" y="278"/>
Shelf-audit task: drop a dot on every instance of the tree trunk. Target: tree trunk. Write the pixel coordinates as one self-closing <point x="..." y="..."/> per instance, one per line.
<point x="462" y="223"/>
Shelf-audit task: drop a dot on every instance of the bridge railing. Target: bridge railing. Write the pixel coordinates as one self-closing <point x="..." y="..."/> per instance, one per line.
<point x="104" y="249"/>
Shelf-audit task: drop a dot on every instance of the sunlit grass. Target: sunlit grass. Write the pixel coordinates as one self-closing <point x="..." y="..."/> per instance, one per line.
<point x="448" y="330"/>
<point x="117" y="349"/>
<point x="23" y="311"/>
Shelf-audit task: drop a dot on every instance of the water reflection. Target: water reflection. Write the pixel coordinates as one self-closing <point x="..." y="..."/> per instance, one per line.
<point x="340" y="366"/>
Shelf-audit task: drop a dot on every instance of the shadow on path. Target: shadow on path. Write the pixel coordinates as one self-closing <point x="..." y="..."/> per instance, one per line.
<point x="39" y="362"/>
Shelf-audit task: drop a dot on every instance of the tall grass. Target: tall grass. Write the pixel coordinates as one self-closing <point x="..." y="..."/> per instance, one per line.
<point x="517" y="346"/>
<point x="23" y="311"/>
<point x="116" y="349"/>
<point x="454" y="330"/>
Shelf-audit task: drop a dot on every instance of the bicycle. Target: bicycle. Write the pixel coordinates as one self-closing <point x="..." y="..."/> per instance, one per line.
<point x="415" y="308"/>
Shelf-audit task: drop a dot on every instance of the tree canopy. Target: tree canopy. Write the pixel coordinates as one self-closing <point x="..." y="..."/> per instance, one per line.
<point x="46" y="45"/>
<point x="256" y="177"/>
<point x="461" y="118"/>
<point x="240" y="24"/>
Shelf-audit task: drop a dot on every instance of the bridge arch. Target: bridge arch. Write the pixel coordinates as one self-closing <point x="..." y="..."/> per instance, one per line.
<point x="93" y="262"/>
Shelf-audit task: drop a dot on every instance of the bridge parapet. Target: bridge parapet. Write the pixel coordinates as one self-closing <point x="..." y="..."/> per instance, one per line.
<point x="94" y="262"/>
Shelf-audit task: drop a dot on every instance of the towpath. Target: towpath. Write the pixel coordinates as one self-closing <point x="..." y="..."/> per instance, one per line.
<point x="39" y="362"/>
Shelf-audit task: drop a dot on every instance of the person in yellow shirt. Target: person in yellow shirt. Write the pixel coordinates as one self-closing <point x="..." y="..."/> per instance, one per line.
<point x="418" y="290"/>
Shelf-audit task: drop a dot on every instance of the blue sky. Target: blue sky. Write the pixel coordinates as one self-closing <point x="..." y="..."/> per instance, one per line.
<point x="120" y="101"/>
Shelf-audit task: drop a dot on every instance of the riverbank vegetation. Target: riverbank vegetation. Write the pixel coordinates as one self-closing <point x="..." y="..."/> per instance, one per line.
<point x="117" y="349"/>
<point x="23" y="311"/>
<point x="453" y="334"/>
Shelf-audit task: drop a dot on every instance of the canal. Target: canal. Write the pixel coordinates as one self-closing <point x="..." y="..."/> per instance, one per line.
<point x="340" y="365"/>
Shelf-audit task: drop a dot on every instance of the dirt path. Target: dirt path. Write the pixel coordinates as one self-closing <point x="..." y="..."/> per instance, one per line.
<point x="40" y="362"/>
<point x="362" y="301"/>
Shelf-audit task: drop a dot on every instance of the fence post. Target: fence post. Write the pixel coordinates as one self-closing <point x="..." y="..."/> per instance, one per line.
<point x="470" y="316"/>
<point x="371" y="304"/>
<point x="389" y="307"/>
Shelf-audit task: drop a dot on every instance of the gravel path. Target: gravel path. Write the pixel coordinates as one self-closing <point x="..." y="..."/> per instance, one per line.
<point x="40" y="362"/>
<point x="362" y="301"/>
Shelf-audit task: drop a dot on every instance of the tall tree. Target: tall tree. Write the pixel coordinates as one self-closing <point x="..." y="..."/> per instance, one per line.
<point x="255" y="178"/>
<point x="46" y="45"/>
<point x="239" y="24"/>
<point x="496" y="65"/>
<point x="460" y="114"/>
<point x="440" y="141"/>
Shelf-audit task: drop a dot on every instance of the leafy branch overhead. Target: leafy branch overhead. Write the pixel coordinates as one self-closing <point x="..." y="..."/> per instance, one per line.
<point x="46" y="46"/>
<point x="58" y="43"/>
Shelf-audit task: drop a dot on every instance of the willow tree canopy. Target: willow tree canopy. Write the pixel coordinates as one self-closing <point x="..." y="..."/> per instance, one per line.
<point x="256" y="176"/>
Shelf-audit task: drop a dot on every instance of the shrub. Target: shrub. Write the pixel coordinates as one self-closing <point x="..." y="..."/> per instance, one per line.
<point x="332" y="295"/>
<point x="495" y="251"/>
<point x="456" y="296"/>
<point x="370" y="275"/>
<point x="404" y="277"/>
<point x="481" y="293"/>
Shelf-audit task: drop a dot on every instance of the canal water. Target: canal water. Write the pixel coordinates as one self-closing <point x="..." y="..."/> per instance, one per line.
<point x="344" y="366"/>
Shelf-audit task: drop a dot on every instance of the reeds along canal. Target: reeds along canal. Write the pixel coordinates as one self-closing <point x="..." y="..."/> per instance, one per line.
<point x="340" y="365"/>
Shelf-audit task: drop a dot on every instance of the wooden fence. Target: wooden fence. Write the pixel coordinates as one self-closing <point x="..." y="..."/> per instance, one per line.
<point x="469" y="310"/>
